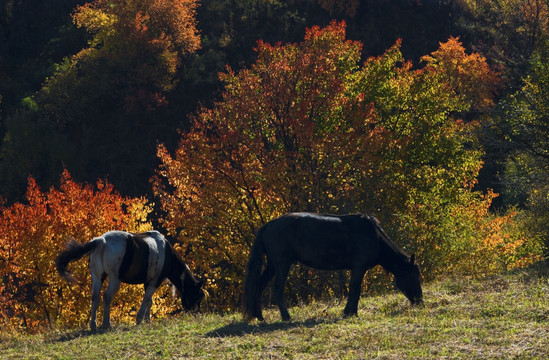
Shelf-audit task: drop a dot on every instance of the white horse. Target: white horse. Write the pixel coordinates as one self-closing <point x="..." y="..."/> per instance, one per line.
<point x="146" y="258"/>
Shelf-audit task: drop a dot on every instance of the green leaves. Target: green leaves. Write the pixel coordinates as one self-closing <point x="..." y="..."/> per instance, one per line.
<point x="307" y="128"/>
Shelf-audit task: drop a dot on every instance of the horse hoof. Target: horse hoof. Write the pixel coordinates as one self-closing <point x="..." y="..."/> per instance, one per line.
<point x="347" y="314"/>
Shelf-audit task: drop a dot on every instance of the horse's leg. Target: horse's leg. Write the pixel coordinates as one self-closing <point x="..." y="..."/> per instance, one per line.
<point x="281" y="273"/>
<point x="264" y="279"/>
<point x="266" y="276"/>
<point x="145" y="309"/>
<point x="97" y="281"/>
<point x="114" y="285"/>
<point x="354" y="292"/>
<point x="148" y="314"/>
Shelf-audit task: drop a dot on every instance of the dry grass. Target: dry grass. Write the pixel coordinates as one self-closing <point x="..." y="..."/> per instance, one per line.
<point x="499" y="317"/>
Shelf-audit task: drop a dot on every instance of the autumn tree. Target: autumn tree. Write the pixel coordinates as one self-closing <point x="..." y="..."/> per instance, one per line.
<point x="135" y="50"/>
<point x="306" y="128"/>
<point x="506" y="31"/>
<point x="510" y="34"/>
<point x="96" y="136"/>
<point x="100" y="110"/>
<point x="32" y="295"/>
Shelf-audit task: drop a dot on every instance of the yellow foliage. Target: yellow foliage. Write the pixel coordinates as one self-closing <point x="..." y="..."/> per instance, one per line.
<point x="306" y="128"/>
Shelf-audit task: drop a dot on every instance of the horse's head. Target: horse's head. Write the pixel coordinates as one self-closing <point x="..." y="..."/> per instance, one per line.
<point x="408" y="280"/>
<point x="192" y="294"/>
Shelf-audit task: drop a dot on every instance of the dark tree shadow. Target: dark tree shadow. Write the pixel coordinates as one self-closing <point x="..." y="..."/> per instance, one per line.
<point x="243" y="328"/>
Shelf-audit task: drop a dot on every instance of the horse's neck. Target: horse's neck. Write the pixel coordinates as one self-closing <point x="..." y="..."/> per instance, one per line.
<point x="390" y="258"/>
<point x="177" y="267"/>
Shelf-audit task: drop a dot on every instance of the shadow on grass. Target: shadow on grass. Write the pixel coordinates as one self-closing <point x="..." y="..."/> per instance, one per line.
<point x="243" y="328"/>
<point x="82" y="333"/>
<point x="534" y="271"/>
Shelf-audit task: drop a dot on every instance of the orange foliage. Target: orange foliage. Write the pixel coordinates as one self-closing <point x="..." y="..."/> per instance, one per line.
<point x="143" y="42"/>
<point x="306" y="128"/>
<point x="471" y="76"/>
<point x="464" y="237"/>
<point x="32" y="295"/>
<point x="170" y="20"/>
<point x="275" y="143"/>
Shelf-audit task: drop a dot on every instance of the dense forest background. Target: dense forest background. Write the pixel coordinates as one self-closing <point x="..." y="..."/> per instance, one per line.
<point x="454" y="92"/>
<point x="91" y="133"/>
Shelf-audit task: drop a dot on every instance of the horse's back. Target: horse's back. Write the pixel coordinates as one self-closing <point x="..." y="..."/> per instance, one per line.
<point x="322" y="241"/>
<point x="134" y="258"/>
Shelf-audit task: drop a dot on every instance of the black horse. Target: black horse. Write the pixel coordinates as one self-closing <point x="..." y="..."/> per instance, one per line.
<point x="328" y="242"/>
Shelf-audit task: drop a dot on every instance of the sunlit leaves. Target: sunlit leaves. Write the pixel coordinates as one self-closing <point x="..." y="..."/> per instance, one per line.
<point x="135" y="50"/>
<point x="473" y="82"/>
<point x="307" y="128"/>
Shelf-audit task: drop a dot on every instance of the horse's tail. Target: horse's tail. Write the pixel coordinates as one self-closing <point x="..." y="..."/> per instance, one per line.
<point x="251" y="300"/>
<point x="73" y="251"/>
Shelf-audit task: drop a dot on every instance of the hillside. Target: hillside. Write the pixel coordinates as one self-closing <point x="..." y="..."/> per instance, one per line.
<point x="503" y="316"/>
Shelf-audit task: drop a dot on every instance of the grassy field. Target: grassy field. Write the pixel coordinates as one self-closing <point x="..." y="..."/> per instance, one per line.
<point x="498" y="317"/>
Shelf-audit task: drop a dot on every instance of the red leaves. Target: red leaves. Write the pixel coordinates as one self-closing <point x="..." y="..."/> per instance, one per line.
<point x="306" y="128"/>
<point x="32" y="234"/>
<point x="289" y="134"/>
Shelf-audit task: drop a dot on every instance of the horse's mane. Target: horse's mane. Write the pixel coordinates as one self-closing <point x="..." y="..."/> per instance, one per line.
<point x="381" y="233"/>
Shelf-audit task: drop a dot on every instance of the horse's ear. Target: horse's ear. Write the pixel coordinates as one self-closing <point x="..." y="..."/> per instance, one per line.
<point x="413" y="259"/>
